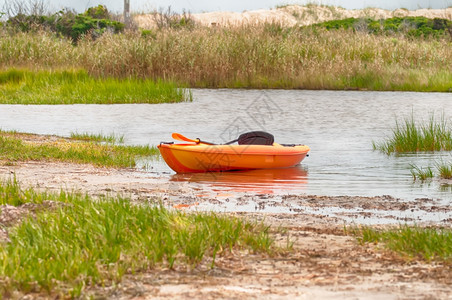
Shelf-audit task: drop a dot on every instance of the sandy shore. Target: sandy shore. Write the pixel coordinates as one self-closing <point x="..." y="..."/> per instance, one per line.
<point x="292" y="15"/>
<point x="326" y="263"/>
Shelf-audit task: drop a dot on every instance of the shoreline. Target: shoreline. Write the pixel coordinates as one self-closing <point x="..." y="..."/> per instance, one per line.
<point x="325" y="261"/>
<point x="142" y="186"/>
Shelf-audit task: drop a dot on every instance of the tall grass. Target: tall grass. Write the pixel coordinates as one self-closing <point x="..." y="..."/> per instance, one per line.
<point x="15" y="147"/>
<point x="411" y="241"/>
<point x="264" y="56"/>
<point x="68" y="87"/>
<point x="436" y="135"/>
<point x="86" y="242"/>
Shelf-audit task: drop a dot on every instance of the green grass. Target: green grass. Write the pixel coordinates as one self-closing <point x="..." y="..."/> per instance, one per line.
<point x="421" y="174"/>
<point x="69" y="87"/>
<point x="412" y="242"/>
<point x="436" y="135"/>
<point x="11" y="193"/>
<point x="443" y="170"/>
<point x="85" y="136"/>
<point x="24" y="147"/>
<point x="86" y="242"/>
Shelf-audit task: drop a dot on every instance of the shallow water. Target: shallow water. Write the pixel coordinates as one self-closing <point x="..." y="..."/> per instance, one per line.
<point x="339" y="126"/>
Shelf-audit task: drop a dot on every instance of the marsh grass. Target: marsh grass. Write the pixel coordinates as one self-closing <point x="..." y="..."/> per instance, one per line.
<point x="24" y="147"/>
<point x="411" y="241"/>
<point x="264" y="56"/>
<point x="421" y="174"/>
<point x="436" y="135"/>
<point x="444" y="170"/>
<point x="69" y="87"/>
<point x="85" y="136"/>
<point x="86" y="242"/>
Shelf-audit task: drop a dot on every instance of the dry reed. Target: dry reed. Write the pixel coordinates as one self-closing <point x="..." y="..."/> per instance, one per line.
<point x="266" y="56"/>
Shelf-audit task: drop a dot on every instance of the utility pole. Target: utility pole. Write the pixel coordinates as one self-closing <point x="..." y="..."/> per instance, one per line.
<point x="127" y="13"/>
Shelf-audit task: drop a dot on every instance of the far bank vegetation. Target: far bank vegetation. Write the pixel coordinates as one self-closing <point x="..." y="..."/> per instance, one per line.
<point x="411" y="53"/>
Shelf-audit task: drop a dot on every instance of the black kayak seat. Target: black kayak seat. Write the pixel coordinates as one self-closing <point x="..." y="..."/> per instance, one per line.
<point x="256" y="138"/>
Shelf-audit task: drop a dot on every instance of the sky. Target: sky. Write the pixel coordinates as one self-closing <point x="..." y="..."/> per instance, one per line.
<point x="197" y="6"/>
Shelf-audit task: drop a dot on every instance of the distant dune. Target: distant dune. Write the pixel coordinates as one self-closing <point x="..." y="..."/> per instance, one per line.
<point x="292" y="15"/>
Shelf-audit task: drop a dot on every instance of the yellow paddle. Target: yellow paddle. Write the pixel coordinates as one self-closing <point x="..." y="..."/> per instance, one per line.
<point x="180" y="137"/>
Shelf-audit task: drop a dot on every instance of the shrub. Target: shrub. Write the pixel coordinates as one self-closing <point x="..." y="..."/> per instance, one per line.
<point x="98" y="12"/>
<point x="410" y="26"/>
<point x="96" y="20"/>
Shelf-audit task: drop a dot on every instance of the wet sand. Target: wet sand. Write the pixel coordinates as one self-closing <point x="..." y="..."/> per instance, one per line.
<point x="325" y="262"/>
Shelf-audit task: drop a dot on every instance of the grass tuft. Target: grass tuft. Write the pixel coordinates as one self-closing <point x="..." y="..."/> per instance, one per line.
<point x="421" y="173"/>
<point x="445" y="170"/>
<point x="11" y="193"/>
<point x="23" y="147"/>
<point x="411" y="241"/>
<point x="110" y="139"/>
<point x="436" y="135"/>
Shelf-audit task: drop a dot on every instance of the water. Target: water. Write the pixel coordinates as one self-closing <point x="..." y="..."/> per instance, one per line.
<point x="339" y="126"/>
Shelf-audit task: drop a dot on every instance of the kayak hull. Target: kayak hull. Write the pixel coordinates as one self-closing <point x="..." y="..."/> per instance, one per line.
<point x="190" y="158"/>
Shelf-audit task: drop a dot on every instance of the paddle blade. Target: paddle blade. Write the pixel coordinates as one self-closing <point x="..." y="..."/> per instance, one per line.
<point x="180" y="137"/>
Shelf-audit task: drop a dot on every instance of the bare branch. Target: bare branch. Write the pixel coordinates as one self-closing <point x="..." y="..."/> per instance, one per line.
<point x="12" y="8"/>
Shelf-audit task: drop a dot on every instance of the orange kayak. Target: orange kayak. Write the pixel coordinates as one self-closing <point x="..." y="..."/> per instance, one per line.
<point x="203" y="157"/>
